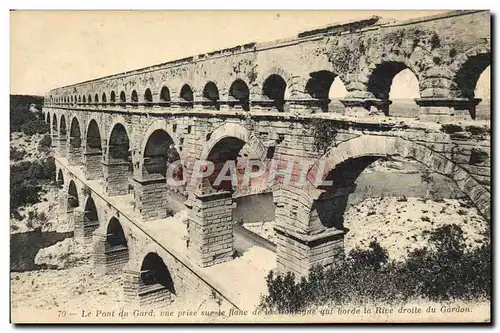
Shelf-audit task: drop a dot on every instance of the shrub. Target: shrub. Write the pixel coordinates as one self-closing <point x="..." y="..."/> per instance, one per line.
<point x="26" y="178"/>
<point x="17" y="154"/>
<point x="443" y="271"/>
<point x="45" y="144"/>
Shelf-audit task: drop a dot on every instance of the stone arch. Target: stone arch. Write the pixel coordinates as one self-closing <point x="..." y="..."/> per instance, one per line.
<point x="60" y="178"/>
<point x="186" y="96"/>
<point x="75" y="150"/>
<point x="96" y="98"/>
<point x="62" y="126"/>
<point x="239" y="95"/>
<point x="164" y="96"/>
<point x="148" y="97"/>
<point x="93" y="151"/>
<point x="111" y="250"/>
<point x="84" y="99"/>
<point x="287" y="77"/>
<point x="89" y="100"/>
<point x="319" y="86"/>
<point x="356" y="154"/>
<point x="73" y="200"/>
<point x="75" y="133"/>
<point x="80" y="98"/>
<point x="103" y="98"/>
<point x="87" y="222"/>
<point x="224" y="145"/>
<point x="211" y="95"/>
<point x="118" y="167"/>
<point x="150" y="281"/>
<point x="165" y="136"/>
<point x="123" y="97"/>
<point x="275" y="88"/>
<point x="381" y="76"/>
<point x="47" y="118"/>
<point x="469" y="67"/>
<point x="134" y="98"/>
<point x="112" y="97"/>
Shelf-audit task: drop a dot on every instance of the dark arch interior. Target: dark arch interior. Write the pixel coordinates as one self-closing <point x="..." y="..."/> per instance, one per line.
<point x="90" y="215"/>
<point x="155" y="272"/>
<point x="112" y="97"/>
<point x="84" y="99"/>
<point x="80" y="99"/>
<point x="159" y="153"/>
<point x="274" y="88"/>
<point x="187" y="95"/>
<point x="211" y="95"/>
<point x="329" y="208"/>
<point x="54" y="124"/>
<point x="381" y="79"/>
<point x="164" y="95"/>
<point x="75" y="135"/>
<point x="115" y="236"/>
<point x="90" y="99"/>
<point x="62" y="127"/>
<point x="239" y="90"/>
<point x="93" y="137"/>
<point x="134" y="97"/>
<point x="103" y="98"/>
<point x="148" y="97"/>
<point x="96" y="98"/>
<point x="123" y="98"/>
<point x="72" y="196"/>
<point x="225" y="150"/>
<point x="319" y="85"/>
<point x="60" y="179"/>
<point x="119" y="145"/>
<point x="468" y="75"/>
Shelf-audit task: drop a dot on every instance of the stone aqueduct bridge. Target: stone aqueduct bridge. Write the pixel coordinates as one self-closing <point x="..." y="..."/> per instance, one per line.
<point x="118" y="134"/>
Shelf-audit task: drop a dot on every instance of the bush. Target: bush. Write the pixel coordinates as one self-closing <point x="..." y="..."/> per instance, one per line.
<point x="442" y="272"/>
<point x="24" y="120"/>
<point x="17" y="154"/>
<point x="45" y="144"/>
<point x="26" y="178"/>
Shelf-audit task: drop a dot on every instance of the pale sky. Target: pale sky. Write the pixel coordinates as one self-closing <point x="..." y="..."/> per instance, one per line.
<point x="50" y="49"/>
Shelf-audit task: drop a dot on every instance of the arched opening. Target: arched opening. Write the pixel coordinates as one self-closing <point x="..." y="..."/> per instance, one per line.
<point x="404" y="89"/>
<point x="381" y="84"/>
<point x="112" y="97"/>
<point x="115" y="236"/>
<point x="47" y="118"/>
<point x="79" y="99"/>
<point x="241" y="94"/>
<point x="318" y="87"/>
<point x="73" y="201"/>
<point x="119" y="162"/>
<point x="60" y="179"/>
<point x="75" y="139"/>
<point x="71" y="99"/>
<point x="148" y="98"/>
<point x="103" y="98"/>
<point x="336" y="93"/>
<point x="483" y="91"/>
<point x="165" y="96"/>
<point x="155" y="274"/>
<point x="62" y="127"/>
<point x="110" y="248"/>
<point x="468" y="75"/>
<point x="96" y="98"/>
<point x="90" y="218"/>
<point x="274" y="88"/>
<point x="93" y="137"/>
<point x="211" y="96"/>
<point x="376" y="195"/>
<point x="84" y="100"/>
<point x="123" y="98"/>
<point x="89" y="99"/>
<point x="54" y="128"/>
<point x="186" y="96"/>
<point x="93" y="151"/>
<point x="133" y="97"/>
<point x="160" y="152"/>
